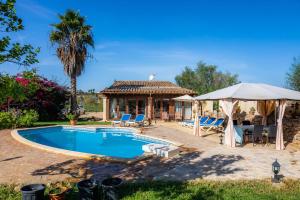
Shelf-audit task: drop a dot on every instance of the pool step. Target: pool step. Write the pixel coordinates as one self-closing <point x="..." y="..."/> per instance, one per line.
<point x="161" y="150"/>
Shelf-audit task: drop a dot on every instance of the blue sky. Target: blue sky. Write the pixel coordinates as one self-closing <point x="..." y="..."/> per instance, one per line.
<point x="255" y="39"/>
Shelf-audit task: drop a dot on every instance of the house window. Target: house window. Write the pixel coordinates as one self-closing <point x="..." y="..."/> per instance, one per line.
<point x="178" y="107"/>
<point x="187" y="110"/>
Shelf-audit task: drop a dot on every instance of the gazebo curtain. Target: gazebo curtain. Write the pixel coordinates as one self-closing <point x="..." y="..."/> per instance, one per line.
<point x="228" y="108"/>
<point x="279" y="134"/>
<point x="265" y="108"/>
<point x="196" y="121"/>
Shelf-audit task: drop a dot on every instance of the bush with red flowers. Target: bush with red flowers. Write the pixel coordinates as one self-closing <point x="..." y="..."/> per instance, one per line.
<point x="28" y="90"/>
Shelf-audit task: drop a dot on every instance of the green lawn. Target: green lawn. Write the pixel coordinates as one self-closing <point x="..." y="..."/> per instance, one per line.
<point x="49" y="123"/>
<point x="192" y="191"/>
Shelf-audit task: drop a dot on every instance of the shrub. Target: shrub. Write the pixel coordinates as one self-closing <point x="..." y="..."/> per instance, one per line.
<point x="28" y="90"/>
<point x="27" y="118"/>
<point x="71" y="116"/>
<point x="6" y="120"/>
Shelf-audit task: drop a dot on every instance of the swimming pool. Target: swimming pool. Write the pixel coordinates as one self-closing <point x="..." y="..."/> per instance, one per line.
<point x="112" y="142"/>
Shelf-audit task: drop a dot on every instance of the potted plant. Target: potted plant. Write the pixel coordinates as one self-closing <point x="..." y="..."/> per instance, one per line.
<point x="252" y="111"/>
<point x="72" y="118"/>
<point x="57" y="193"/>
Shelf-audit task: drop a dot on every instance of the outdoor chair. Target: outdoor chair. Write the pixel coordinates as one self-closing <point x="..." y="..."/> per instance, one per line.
<point x="272" y="132"/>
<point x="178" y="116"/>
<point x="257" y="135"/>
<point x="139" y="120"/>
<point x="125" y="118"/>
<point x="246" y="123"/>
<point x="217" y="125"/>
<point x="189" y="122"/>
<point x="165" y="116"/>
<point x="207" y="122"/>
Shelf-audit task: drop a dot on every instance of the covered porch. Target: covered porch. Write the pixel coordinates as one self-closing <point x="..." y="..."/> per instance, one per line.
<point x="154" y="99"/>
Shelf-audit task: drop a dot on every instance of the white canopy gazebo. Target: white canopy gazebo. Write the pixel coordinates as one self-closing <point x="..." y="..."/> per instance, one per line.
<point x="230" y="96"/>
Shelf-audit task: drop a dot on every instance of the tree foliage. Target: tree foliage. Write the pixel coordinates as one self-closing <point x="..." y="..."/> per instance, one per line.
<point x="205" y="78"/>
<point x="13" y="52"/>
<point x="293" y="76"/>
<point x="72" y="37"/>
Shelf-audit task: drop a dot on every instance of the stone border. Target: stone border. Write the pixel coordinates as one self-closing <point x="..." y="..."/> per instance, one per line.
<point x="19" y="138"/>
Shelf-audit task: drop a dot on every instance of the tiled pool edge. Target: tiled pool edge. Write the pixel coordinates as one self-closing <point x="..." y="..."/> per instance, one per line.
<point x="19" y="138"/>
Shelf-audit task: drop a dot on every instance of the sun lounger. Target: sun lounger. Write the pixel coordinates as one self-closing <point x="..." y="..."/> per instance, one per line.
<point x="139" y="120"/>
<point x="216" y="125"/>
<point x="207" y="122"/>
<point x="125" y="118"/>
<point x="201" y="121"/>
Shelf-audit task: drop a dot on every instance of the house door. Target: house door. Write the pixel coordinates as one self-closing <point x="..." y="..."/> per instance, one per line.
<point x="132" y="107"/>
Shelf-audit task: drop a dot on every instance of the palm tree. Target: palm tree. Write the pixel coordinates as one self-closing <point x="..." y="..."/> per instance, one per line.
<point x="72" y="37"/>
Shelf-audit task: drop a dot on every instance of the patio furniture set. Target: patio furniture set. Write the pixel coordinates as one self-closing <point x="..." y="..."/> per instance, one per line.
<point x="257" y="134"/>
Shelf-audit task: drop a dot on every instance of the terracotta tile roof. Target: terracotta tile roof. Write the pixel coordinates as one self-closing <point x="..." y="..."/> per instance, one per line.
<point x="146" y="87"/>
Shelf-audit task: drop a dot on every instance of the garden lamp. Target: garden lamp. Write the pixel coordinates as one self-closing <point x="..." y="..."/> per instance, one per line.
<point x="276" y="170"/>
<point x="221" y="138"/>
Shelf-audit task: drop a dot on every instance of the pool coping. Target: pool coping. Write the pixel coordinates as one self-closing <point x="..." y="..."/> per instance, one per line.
<point x="19" y="138"/>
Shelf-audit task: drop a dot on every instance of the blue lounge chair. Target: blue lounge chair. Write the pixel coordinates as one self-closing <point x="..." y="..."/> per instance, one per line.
<point x="125" y="118"/>
<point x="188" y="122"/>
<point x="202" y="120"/>
<point x="207" y="122"/>
<point x="139" y="120"/>
<point x="216" y="125"/>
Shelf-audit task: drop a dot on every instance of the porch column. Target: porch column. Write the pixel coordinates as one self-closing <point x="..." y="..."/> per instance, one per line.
<point x="182" y="111"/>
<point x="171" y="109"/>
<point x="105" y="114"/>
<point x="161" y="107"/>
<point x="150" y="107"/>
<point x="126" y="105"/>
<point x="136" y="107"/>
<point x="118" y="107"/>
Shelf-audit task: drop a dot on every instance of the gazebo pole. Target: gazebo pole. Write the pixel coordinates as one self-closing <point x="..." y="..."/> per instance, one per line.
<point x="275" y="113"/>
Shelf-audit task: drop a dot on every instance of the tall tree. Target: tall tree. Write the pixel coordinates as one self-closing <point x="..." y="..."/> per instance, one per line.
<point x="293" y="76"/>
<point x="72" y="37"/>
<point x="205" y="78"/>
<point x="13" y="52"/>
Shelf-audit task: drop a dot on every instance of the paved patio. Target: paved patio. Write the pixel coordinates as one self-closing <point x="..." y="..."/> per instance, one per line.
<point x="202" y="158"/>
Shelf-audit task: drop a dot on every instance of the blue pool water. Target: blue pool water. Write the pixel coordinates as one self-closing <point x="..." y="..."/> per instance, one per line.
<point x="121" y="143"/>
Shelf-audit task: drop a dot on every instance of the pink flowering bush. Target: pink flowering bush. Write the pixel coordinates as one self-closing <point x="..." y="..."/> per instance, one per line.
<point x="31" y="91"/>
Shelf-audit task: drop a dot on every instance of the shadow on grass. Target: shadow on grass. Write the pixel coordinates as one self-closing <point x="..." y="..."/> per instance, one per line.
<point x="167" y="190"/>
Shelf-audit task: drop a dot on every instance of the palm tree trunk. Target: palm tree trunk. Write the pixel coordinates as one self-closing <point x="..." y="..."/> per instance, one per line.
<point x="73" y="94"/>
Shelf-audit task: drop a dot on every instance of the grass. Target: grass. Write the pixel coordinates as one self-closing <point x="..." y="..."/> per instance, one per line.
<point x="49" y="123"/>
<point x="210" y="190"/>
